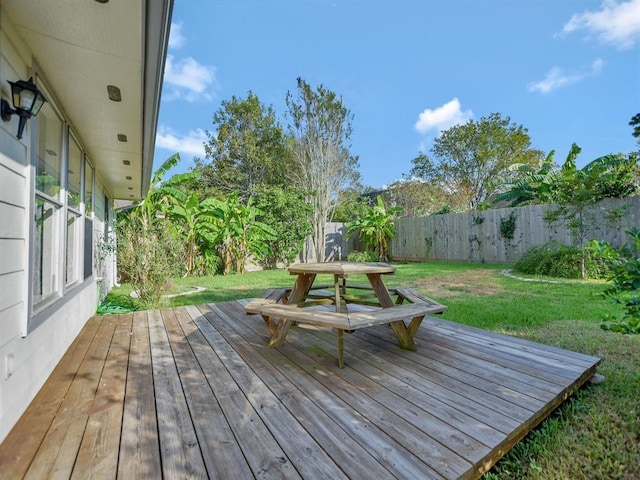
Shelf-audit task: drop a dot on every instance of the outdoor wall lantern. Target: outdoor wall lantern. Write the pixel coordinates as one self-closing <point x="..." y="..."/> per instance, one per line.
<point x="27" y="102"/>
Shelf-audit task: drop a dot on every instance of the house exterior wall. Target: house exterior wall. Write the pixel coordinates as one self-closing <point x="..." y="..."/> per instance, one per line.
<point x="32" y="340"/>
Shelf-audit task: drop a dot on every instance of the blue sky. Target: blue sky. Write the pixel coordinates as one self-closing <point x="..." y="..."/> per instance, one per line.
<point x="567" y="70"/>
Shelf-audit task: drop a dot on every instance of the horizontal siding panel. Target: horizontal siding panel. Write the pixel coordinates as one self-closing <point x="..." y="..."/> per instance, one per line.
<point x="13" y="221"/>
<point x="11" y="286"/>
<point x="11" y="323"/>
<point x="13" y="153"/>
<point x="13" y="188"/>
<point x="13" y="254"/>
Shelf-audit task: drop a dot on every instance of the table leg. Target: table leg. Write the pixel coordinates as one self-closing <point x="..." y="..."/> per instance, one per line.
<point x="340" y="348"/>
<point x="301" y="287"/>
<point x="399" y="328"/>
<point x="299" y="292"/>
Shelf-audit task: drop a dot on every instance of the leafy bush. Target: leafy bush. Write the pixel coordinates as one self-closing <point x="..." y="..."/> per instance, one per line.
<point x="363" y="257"/>
<point x="145" y="253"/>
<point x="625" y="277"/>
<point x="557" y="260"/>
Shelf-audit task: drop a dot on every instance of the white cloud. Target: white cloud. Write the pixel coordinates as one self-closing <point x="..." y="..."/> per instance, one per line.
<point x="615" y="23"/>
<point x="191" y="144"/>
<point x="557" y="78"/>
<point x="442" y="118"/>
<point x="188" y="79"/>
<point x="176" y="38"/>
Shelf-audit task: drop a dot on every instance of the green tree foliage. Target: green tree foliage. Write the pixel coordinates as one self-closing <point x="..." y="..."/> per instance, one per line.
<point x="466" y="158"/>
<point x="351" y="204"/>
<point x="527" y="184"/>
<point x="417" y="198"/>
<point x="376" y="228"/>
<point x="321" y="130"/>
<point x="238" y="235"/>
<point x="625" y="277"/>
<point x="635" y="123"/>
<point x="196" y="224"/>
<point x="247" y="149"/>
<point x="286" y="212"/>
<point x="578" y="193"/>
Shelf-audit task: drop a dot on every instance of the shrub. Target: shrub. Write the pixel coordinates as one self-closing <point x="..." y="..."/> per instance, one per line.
<point x="625" y="282"/>
<point x="363" y="257"/>
<point x="145" y="257"/>
<point x="557" y="260"/>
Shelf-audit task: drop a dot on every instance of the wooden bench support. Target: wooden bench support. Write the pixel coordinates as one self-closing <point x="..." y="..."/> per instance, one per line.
<point x="269" y="297"/>
<point x="342" y="321"/>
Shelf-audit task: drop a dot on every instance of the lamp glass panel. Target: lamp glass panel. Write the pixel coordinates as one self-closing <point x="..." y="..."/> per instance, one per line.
<point x="37" y="105"/>
<point x="26" y="99"/>
<point x="49" y="152"/>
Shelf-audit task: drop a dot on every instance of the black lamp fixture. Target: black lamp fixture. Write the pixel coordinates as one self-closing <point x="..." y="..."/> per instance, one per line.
<point x="27" y="102"/>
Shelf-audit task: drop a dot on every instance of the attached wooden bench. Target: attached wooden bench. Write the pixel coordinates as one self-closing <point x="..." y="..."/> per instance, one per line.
<point x="269" y="297"/>
<point x="414" y="312"/>
<point x="411" y="296"/>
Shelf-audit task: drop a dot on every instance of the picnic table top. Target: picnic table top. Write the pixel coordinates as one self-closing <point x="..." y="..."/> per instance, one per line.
<point x="341" y="268"/>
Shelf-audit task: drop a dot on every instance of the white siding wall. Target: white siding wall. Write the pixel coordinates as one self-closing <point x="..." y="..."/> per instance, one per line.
<point x="27" y="358"/>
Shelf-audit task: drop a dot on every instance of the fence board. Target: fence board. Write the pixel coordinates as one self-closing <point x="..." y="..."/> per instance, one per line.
<point x="476" y="236"/>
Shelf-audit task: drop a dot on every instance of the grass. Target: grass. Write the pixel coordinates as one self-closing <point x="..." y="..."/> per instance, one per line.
<point x="594" y="435"/>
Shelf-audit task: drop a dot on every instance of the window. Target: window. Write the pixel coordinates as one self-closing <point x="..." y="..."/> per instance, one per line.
<point x="62" y="250"/>
<point x="45" y="242"/>
<point x="49" y="152"/>
<point x="46" y="230"/>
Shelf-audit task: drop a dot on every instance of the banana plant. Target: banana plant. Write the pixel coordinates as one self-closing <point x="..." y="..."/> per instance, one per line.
<point x="238" y="235"/>
<point x="375" y="228"/>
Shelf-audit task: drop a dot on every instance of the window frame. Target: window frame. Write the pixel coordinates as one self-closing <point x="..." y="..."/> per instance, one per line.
<point x="40" y="308"/>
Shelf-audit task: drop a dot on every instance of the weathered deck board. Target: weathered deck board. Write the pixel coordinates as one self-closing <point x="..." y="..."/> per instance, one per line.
<point x="195" y="392"/>
<point x="139" y="455"/>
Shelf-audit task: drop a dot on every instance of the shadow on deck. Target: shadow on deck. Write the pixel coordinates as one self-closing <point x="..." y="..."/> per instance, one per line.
<point x="195" y="393"/>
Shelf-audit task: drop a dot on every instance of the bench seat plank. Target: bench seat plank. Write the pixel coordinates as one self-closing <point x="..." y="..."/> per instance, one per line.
<point x="271" y="296"/>
<point x="412" y="296"/>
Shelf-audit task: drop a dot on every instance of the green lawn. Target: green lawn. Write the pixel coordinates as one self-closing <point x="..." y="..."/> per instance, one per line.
<point x="596" y="434"/>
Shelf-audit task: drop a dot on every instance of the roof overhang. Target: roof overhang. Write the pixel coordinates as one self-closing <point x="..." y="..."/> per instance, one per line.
<point x="81" y="47"/>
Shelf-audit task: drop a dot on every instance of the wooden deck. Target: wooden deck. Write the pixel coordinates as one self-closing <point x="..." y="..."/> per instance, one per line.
<point x="195" y="393"/>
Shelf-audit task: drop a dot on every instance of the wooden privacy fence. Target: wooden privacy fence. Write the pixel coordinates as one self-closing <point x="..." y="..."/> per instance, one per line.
<point x="501" y="235"/>
<point x="490" y="236"/>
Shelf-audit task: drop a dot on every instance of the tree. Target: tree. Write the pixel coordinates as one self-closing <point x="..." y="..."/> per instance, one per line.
<point x="467" y="157"/>
<point x="417" y="198"/>
<point x="248" y="148"/>
<point x="577" y="193"/>
<point x="352" y="203"/>
<point x="195" y="223"/>
<point x="286" y="212"/>
<point x="238" y="235"/>
<point x="321" y="129"/>
<point x="635" y="123"/>
<point x="375" y="228"/>
<point x="528" y="185"/>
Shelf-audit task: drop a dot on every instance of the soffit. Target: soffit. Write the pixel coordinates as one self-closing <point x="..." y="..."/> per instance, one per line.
<point x="80" y="47"/>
